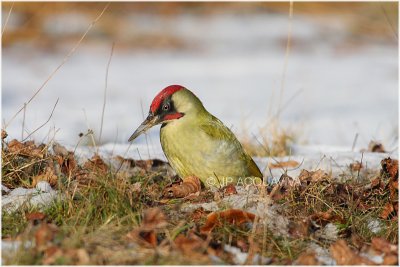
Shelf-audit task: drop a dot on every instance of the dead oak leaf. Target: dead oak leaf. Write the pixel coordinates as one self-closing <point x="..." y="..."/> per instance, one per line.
<point x="3" y="134"/>
<point x="231" y="216"/>
<point x="388" y="211"/>
<point x="27" y="149"/>
<point x="153" y="218"/>
<point x="189" y="244"/>
<point x="355" y="166"/>
<point x="189" y="186"/>
<point x="35" y="217"/>
<point x="197" y="214"/>
<point x="146" y="234"/>
<point x="284" y="164"/>
<point x="44" y="234"/>
<point x="390" y="259"/>
<point x="381" y="244"/>
<point x="377" y="147"/>
<point x="48" y="176"/>
<point x="230" y="189"/>
<point x="344" y="255"/>
<point x="323" y="218"/>
<point x="313" y="176"/>
<point x="96" y="163"/>
<point x="307" y="258"/>
<point x="391" y="167"/>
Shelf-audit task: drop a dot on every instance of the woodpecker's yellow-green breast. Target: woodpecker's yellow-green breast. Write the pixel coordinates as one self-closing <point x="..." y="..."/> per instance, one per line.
<point x="194" y="141"/>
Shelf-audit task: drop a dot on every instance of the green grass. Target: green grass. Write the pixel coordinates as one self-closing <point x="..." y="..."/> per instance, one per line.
<point x="100" y="208"/>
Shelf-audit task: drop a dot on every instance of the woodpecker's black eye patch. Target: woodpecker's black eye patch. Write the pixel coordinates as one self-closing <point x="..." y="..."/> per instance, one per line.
<point x="167" y="107"/>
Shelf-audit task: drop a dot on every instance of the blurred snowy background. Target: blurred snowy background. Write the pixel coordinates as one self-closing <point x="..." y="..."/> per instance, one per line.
<point x="341" y="77"/>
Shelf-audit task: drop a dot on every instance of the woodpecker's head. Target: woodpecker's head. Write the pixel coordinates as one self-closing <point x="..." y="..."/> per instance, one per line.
<point x="172" y="103"/>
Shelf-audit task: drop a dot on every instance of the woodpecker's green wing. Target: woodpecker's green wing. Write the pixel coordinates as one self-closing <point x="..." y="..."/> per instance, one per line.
<point x="216" y="130"/>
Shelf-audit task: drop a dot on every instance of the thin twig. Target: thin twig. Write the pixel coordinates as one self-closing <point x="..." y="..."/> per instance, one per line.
<point x="361" y="162"/>
<point x="51" y="115"/>
<point x="8" y="17"/>
<point x="390" y="23"/>
<point x="105" y="92"/>
<point x="90" y="132"/>
<point x="287" y="52"/>
<point x="354" y="142"/>
<point x="66" y="58"/>
<point x="281" y="108"/>
<point x="145" y="134"/>
<point x="23" y="122"/>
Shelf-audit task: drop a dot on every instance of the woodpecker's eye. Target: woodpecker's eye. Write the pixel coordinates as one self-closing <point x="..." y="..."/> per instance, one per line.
<point x="165" y="107"/>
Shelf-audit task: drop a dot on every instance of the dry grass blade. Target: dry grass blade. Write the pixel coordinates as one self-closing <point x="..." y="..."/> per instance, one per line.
<point x="8" y="17"/>
<point x="51" y="115"/>
<point x="105" y="92"/>
<point x="287" y="52"/>
<point x="66" y="58"/>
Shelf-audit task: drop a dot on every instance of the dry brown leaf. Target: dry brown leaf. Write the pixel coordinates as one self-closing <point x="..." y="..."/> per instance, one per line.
<point x="387" y="211"/>
<point x="381" y="244"/>
<point x="230" y="189"/>
<point x="3" y="134"/>
<point x="307" y="258"/>
<point x="284" y="164"/>
<point x="15" y="146"/>
<point x="48" y="176"/>
<point x="44" y="234"/>
<point x="60" y="150"/>
<point x="28" y="149"/>
<point x="189" y="186"/>
<point x="299" y="228"/>
<point x="125" y="161"/>
<point x="357" y="240"/>
<point x="313" y="176"/>
<point x="142" y="237"/>
<point x="190" y="244"/>
<point x="376" y="183"/>
<point x="376" y="147"/>
<point x="51" y="254"/>
<point x="322" y="218"/>
<point x="35" y="216"/>
<point x="153" y="218"/>
<point x="231" y="216"/>
<point x="197" y="214"/>
<point x="96" y="163"/>
<point x="76" y="256"/>
<point x="344" y="255"/>
<point x="144" y="164"/>
<point x="391" y="167"/>
<point x="65" y="159"/>
<point x="390" y="259"/>
<point x="356" y="166"/>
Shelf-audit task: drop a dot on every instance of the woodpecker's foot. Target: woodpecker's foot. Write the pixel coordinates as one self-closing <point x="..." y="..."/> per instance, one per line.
<point x="189" y="186"/>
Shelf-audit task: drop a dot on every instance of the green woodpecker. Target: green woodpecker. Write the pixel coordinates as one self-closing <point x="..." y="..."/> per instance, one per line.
<point x="194" y="141"/>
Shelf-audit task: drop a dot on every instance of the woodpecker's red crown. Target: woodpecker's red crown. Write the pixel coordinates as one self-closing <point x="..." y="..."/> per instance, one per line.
<point x="165" y="93"/>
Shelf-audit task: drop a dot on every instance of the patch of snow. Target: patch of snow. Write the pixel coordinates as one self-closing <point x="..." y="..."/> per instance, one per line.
<point x="8" y="246"/>
<point x="44" y="186"/>
<point x="41" y="196"/>
<point x="250" y="200"/>
<point x="5" y="189"/>
<point x="332" y="162"/>
<point x="322" y="254"/>
<point x="233" y="59"/>
<point x="329" y="232"/>
<point x="378" y="259"/>
<point x="240" y="257"/>
<point x="374" y="226"/>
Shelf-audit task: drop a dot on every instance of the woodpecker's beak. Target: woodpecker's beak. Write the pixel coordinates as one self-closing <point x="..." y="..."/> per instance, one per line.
<point x="149" y="122"/>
